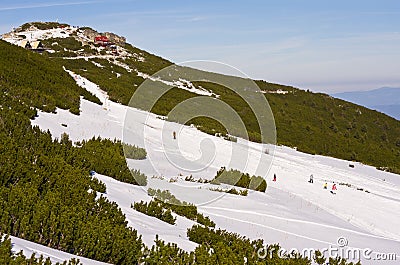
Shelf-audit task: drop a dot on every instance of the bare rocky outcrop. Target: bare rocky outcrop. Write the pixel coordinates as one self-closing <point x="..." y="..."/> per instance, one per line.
<point x="91" y="34"/>
<point x="120" y="40"/>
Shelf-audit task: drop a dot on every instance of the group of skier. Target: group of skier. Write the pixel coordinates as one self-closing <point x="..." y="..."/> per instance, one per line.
<point x="333" y="189"/>
<point x="311" y="180"/>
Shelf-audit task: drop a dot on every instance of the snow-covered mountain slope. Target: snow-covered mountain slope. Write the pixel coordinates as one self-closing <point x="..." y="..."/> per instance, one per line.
<point x="28" y="248"/>
<point x="292" y="212"/>
<point x="125" y="194"/>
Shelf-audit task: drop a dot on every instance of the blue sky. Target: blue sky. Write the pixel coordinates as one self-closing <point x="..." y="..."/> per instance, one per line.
<point x="324" y="45"/>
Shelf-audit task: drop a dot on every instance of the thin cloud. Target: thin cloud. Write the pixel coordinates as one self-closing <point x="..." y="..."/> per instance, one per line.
<point x="47" y="5"/>
<point x="192" y="18"/>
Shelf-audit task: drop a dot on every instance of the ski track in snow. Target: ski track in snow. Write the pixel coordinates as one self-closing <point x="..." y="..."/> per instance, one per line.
<point x="292" y="212"/>
<point x="286" y="219"/>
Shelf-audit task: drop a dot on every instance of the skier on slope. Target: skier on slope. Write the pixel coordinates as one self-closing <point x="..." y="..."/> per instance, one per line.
<point x="325" y="186"/>
<point x="333" y="188"/>
<point x="274" y="179"/>
<point x="174" y="135"/>
<point x="311" y="179"/>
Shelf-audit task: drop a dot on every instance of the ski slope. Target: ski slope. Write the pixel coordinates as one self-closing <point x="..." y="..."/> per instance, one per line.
<point x="29" y="248"/>
<point x="292" y="212"/>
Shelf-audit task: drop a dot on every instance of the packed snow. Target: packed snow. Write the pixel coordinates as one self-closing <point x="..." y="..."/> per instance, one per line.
<point x="121" y="64"/>
<point x="292" y="212"/>
<point x="37" y="34"/>
<point x="147" y="226"/>
<point x="29" y="248"/>
<point x="97" y="64"/>
<point x="181" y="83"/>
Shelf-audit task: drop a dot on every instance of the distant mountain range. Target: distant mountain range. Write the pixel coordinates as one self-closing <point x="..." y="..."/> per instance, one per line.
<point x="385" y="99"/>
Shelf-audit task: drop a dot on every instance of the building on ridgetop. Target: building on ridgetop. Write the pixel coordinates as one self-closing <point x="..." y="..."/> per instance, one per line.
<point x="37" y="46"/>
<point x="102" y="40"/>
<point x="24" y="44"/>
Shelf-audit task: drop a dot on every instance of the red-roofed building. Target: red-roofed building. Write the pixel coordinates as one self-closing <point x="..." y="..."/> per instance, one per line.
<point x="102" y="40"/>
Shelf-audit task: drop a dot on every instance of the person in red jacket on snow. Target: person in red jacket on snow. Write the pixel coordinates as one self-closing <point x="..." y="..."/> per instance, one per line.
<point x="333" y="188"/>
